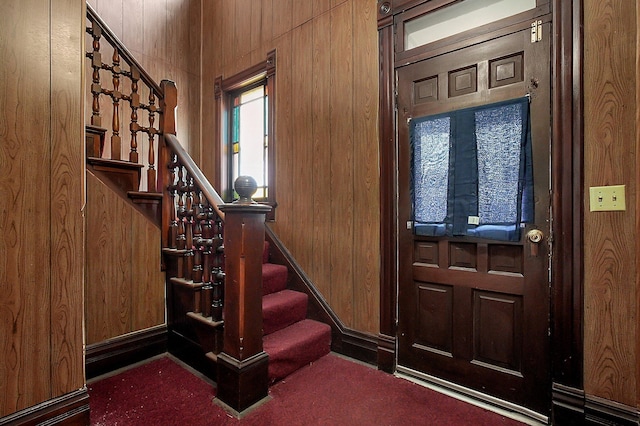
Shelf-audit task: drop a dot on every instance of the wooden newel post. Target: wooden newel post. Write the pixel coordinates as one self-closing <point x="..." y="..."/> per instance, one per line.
<point x="167" y="125"/>
<point x="243" y="365"/>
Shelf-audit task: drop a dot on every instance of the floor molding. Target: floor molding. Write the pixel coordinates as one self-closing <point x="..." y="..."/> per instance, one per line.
<point x="474" y="397"/>
<point x="68" y="409"/>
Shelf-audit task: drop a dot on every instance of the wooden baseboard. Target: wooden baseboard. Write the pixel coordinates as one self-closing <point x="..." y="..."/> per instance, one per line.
<point x="572" y="407"/>
<point x="357" y="345"/>
<point x="119" y="352"/>
<point x="71" y="409"/>
<point x="567" y="405"/>
<point x="600" y="411"/>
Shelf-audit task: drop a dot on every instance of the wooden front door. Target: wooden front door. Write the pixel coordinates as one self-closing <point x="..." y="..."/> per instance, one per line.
<point x="473" y="310"/>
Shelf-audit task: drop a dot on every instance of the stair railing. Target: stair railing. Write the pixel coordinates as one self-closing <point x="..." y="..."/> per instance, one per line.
<point x="192" y="222"/>
<point x="129" y="91"/>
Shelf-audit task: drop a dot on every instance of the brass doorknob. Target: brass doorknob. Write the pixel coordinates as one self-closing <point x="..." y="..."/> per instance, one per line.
<point x="535" y="235"/>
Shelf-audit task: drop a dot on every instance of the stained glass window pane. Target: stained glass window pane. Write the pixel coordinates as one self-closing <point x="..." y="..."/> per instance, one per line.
<point x="431" y="169"/>
<point x="498" y="139"/>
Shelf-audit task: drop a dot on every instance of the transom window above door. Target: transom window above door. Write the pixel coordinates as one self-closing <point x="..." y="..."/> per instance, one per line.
<point x="459" y="17"/>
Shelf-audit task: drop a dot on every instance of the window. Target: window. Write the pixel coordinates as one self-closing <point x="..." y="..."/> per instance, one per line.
<point x="472" y="171"/>
<point x="247" y="139"/>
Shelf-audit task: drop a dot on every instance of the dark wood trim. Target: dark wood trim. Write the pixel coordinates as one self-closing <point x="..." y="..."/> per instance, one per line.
<point x="71" y="409"/>
<point x="119" y="352"/>
<point x="345" y="341"/>
<point x="386" y="353"/>
<point x="600" y="411"/>
<point x="567" y="201"/>
<point x="567" y="405"/>
<point x="572" y="407"/>
<point x="388" y="208"/>
<point x="192" y="354"/>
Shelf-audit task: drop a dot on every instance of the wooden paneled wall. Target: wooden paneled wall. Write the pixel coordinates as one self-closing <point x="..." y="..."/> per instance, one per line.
<point x="611" y="117"/>
<point x="124" y="289"/>
<point x="41" y="193"/>
<point x="326" y="134"/>
<point x="164" y="37"/>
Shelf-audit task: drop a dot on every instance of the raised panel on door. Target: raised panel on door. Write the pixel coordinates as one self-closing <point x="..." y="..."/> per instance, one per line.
<point x="474" y="310"/>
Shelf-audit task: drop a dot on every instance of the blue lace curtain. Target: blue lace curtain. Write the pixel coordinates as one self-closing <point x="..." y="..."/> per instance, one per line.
<point x="472" y="171"/>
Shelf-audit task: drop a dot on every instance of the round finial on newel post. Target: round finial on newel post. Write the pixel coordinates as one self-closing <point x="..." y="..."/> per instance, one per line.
<point x="245" y="186"/>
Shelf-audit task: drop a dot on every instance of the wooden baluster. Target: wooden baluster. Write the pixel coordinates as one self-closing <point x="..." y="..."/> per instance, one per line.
<point x="181" y="238"/>
<point x="207" y="288"/>
<point x="96" y="65"/>
<point x="198" y="217"/>
<point x="172" y="188"/>
<point x="189" y="224"/>
<point x="116" y="140"/>
<point x="135" y="104"/>
<point x="217" y="301"/>
<point x="151" y="171"/>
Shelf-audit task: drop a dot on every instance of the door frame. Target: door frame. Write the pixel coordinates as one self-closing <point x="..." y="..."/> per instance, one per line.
<point x="567" y="201"/>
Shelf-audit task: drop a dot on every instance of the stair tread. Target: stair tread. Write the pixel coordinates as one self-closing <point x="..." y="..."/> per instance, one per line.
<point x="282" y="309"/>
<point x="295" y="346"/>
<point x="274" y="278"/>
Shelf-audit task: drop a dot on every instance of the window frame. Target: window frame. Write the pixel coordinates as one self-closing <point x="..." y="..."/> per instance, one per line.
<point x="225" y="90"/>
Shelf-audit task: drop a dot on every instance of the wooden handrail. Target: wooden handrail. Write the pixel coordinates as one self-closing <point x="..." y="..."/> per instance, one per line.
<point x="194" y="171"/>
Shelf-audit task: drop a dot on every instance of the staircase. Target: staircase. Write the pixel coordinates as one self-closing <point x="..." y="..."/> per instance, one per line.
<point x="212" y="309"/>
<point x="290" y="339"/>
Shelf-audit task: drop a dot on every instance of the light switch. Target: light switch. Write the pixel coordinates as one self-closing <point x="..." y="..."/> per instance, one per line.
<point x="607" y="198"/>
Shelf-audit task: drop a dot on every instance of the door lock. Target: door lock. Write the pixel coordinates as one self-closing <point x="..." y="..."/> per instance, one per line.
<point x="535" y="235"/>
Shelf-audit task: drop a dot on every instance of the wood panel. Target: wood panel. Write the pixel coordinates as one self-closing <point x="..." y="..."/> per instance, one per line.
<point x="610" y="238"/>
<point x="67" y="199"/>
<point x="124" y="289"/>
<point x="321" y="155"/>
<point x="366" y="169"/>
<point x="284" y="134"/>
<point x="282" y="16"/>
<point x="210" y="156"/>
<point x="302" y="149"/>
<point x="302" y="11"/>
<point x="25" y="242"/>
<point x="108" y="269"/>
<point x="341" y="145"/>
<point x="327" y="217"/>
<point x="40" y="224"/>
<point x="147" y="278"/>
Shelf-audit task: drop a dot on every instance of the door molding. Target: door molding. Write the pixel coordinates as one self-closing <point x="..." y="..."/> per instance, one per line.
<point x="567" y="199"/>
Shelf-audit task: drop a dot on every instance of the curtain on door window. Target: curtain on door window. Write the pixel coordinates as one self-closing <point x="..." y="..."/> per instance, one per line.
<point x="472" y="171"/>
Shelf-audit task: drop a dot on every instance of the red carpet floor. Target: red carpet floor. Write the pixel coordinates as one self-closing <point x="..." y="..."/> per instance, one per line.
<point x="331" y="391"/>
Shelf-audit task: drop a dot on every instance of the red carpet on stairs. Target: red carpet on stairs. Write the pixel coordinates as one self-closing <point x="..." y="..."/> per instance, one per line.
<point x="330" y="391"/>
<point x="290" y="339"/>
